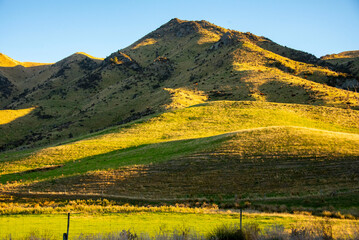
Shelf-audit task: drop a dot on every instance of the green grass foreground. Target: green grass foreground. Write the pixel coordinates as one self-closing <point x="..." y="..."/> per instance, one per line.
<point x="148" y="223"/>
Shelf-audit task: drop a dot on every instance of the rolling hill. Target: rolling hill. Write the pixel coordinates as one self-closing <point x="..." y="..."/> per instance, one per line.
<point x="191" y="110"/>
<point x="347" y="62"/>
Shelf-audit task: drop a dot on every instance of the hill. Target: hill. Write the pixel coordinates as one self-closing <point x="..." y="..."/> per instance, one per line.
<point x="347" y="54"/>
<point x="192" y="60"/>
<point x="214" y="150"/>
<point x="346" y="62"/>
<point x="190" y="110"/>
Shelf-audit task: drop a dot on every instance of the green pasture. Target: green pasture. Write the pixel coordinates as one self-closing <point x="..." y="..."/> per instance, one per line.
<point x="20" y="226"/>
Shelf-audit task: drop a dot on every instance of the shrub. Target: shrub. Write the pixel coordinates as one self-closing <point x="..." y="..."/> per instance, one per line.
<point x="227" y="232"/>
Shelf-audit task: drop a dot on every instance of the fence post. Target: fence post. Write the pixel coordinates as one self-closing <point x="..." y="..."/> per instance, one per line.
<point x="240" y="219"/>
<point x="68" y="225"/>
<point x="65" y="236"/>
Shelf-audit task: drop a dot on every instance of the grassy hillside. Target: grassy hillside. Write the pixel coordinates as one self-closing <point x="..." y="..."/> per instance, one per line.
<point x="191" y="110"/>
<point x="217" y="150"/>
<point x="348" y="62"/>
<point x="194" y="60"/>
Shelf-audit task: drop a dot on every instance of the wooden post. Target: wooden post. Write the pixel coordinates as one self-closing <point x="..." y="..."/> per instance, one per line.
<point x="65" y="236"/>
<point x="68" y="225"/>
<point x="240" y="219"/>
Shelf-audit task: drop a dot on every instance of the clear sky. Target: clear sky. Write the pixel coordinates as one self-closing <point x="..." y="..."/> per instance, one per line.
<point x="49" y="30"/>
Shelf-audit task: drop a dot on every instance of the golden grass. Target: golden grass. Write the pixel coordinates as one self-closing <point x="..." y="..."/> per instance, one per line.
<point x="6" y="61"/>
<point x="148" y="41"/>
<point x="291" y="141"/>
<point x="34" y="64"/>
<point x="208" y="37"/>
<point x="304" y="84"/>
<point x="7" y="116"/>
<point x="88" y="55"/>
<point x="181" y="98"/>
<point x="346" y="54"/>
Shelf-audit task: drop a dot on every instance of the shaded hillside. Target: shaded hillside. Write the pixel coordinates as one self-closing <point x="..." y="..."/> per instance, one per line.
<point x="346" y="54"/>
<point x="346" y="62"/>
<point x="14" y="76"/>
<point x="180" y="64"/>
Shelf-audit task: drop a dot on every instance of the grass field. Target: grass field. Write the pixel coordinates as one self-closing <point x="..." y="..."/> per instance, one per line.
<point x="20" y="226"/>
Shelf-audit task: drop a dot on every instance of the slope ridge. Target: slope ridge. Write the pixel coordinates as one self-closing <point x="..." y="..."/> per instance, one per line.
<point x="6" y="61"/>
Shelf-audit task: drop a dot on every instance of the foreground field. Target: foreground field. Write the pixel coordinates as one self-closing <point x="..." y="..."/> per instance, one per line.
<point x="152" y="223"/>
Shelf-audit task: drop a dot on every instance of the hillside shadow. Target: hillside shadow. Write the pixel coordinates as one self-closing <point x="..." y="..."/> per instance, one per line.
<point x="20" y="126"/>
<point x="142" y="154"/>
<point x="209" y="175"/>
<point x="281" y="92"/>
<point x="37" y="66"/>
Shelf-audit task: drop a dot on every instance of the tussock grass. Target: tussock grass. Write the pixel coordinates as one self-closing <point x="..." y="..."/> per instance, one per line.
<point x="181" y="98"/>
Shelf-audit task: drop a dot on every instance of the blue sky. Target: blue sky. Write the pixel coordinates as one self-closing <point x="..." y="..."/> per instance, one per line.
<point x="49" y="30"/>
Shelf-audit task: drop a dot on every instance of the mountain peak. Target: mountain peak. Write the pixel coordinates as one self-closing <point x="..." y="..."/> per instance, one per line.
<point x="6" y="61"/>
<point x="77" y="57"/>
<point x="180" y="28"/>
<point x="176" y="21"/>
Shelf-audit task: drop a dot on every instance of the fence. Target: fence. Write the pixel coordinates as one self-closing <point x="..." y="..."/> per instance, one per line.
<point x="53" y="226"/>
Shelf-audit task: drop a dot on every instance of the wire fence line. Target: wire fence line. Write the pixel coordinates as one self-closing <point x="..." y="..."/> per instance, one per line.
<point x="55" y="225"/>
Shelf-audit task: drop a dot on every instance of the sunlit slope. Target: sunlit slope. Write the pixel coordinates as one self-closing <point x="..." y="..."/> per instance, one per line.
<point x="7" y="116"/>
<point x="270" y="160"/>
<point x="199" y="121"/>
<point x="6" y="61"/>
